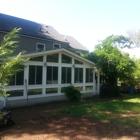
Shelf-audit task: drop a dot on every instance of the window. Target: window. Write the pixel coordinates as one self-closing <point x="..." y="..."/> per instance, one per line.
<point x="34" y="91"/>
<point x="51" y="90"/>
<point x="14" y="93"/>
<point x="40" y="58"/>
<point x="66" y="59"/>
<point x="40" y="47"/>
<point x="78" y="78"/>
<point x="80" y="88"/>
<point x="17" y="79"/>
<point x="52" y="58"/>
<point x="52" y="75"/>
<point x="79" y="53"/>
<point x="89" y="75"/>
<point x="66" y="75"/>
<point x="56" y="46"/>
<point x="77" y="62"/>
<point x="88" y="88"/>
<point x="35" y="75"/>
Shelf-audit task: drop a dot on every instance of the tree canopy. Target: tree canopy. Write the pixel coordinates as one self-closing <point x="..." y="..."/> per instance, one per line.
<point x="9" y="64"/>
<point x="113" y="63"/>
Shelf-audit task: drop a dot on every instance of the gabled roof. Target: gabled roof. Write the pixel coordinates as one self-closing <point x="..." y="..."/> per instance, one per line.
<point x="33" y="29"/>
<point x="73" y="42"/>
<point x="57" y="51"/>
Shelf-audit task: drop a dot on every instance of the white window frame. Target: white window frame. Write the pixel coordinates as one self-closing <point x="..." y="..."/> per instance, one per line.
<point x="56" y="44"/>
<point x="78" y="52"/>
<point x="40" y="44"/>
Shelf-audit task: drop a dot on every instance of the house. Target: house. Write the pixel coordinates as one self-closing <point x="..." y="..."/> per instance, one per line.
<point x="55" y="63"/>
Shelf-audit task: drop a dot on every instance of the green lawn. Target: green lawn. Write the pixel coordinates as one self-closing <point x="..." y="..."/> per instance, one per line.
<point x="121" y="112"/>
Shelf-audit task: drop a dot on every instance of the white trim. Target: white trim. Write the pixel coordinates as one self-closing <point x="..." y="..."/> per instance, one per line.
<point x="57" y="51"/>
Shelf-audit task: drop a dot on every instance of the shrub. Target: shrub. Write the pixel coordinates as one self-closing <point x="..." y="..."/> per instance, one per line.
<point x="72" y="93"/>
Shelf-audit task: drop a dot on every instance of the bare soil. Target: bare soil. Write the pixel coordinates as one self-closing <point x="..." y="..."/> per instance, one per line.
<point x="42" y="122"/>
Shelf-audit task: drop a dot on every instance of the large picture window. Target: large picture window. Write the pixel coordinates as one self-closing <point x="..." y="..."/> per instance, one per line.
<point x="66" y="59"/>
<point x="52" y="58"/>
<point x="89" y="75"/>
<point x="15" y="93"/>
<point x="78" y="62"/>
<point x="52" y="75"/>
<point x="66" y="75"/>
<point x="34" y="91"/>
<point x="35" y="75"/>
<point x="78" y="78"/>
<point x="17" y="79"/>
<point x="39" y="58"/>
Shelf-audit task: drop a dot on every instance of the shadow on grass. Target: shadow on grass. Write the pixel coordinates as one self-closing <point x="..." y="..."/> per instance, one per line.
<point x="43" y="122"/>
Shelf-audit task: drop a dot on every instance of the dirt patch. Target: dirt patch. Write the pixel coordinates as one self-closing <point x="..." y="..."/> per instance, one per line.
<point x="42" y="122"/>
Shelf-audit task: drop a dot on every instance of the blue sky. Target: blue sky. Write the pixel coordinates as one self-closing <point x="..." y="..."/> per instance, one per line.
<point x="86" y="20"/>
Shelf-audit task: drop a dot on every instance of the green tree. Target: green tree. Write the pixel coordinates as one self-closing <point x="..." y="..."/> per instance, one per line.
<point x="113" y="63"/>
<point x="9" y="64"/>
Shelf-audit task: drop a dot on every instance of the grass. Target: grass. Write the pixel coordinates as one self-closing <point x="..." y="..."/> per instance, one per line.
<point x="121" y="112"/>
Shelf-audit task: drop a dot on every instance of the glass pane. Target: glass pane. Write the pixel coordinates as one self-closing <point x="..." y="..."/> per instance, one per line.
<point x="89" y="88"/>
<point x="68" y="75"/>
<point x="40" y="47"/>
<point x="63" y="75"/>
<point x="51" y="90"/>
<point x="81" y="75"/>
<point x="40" y="58"/>
<point x="34" y="91"/>
<point x="19" y="78"/>
<point x="87" y="75"/>
<point x="91" y="75"/>
<point x="76" y="76"/>
<point x="31" y="75"/>
<point x="56" y="46"/>
<point x="55" y="75"/>
<point x="80" y="88"/>
<point x="52" y="58"/>
<point x="14" y="93"/>
<point x="66" y="59"/>
<point x="38" y="74"/>
<point x="77" y="62"/>
<point x="49" y="75"/>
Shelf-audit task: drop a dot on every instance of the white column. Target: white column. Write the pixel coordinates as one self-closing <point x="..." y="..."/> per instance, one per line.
<point x="44" y="76"/>
<point x="94" y="82"/>
<point x="59" y="73"/>
<point x="26" y="82"/>
<point x="84" y="78"/>
<point x="72" y="72"/>
<point x="98" y="81"/>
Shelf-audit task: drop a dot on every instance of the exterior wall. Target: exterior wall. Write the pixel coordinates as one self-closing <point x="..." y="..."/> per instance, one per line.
<point x="40" y="100"/>
<point x="59" y="95"/>
<point x="28" y="44"/>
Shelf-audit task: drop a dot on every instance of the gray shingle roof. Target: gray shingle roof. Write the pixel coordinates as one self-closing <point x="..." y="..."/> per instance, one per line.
<point x="30" y="28"/>
<point x="73" y="42"/>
